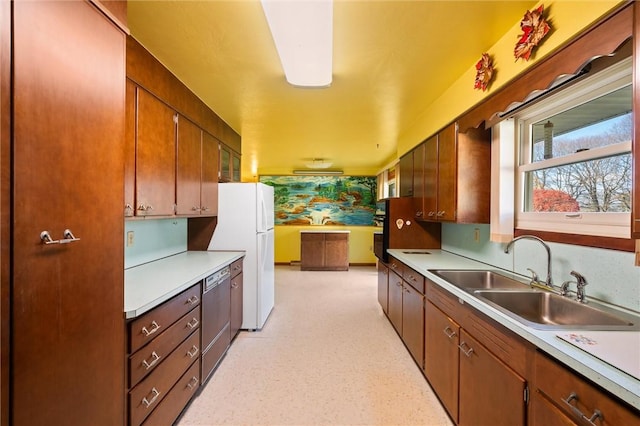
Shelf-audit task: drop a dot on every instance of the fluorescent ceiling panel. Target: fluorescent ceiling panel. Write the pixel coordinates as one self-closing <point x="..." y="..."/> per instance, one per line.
<point x="303" y="34"/>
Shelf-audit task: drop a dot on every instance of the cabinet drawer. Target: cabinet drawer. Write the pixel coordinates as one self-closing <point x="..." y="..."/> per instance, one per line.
<point x="212" y="357"/>
<point x="154" y="322"/>
<point x="146" y="396"/>
<point x="414" y="278"/>
<point x="236" y="267"/>
<point x="577" y="397"/>
<point x="444" y="300"/>
<point x="177" y="398"/>
<point x="396" y="266"/>
<point x="145" y="360"/>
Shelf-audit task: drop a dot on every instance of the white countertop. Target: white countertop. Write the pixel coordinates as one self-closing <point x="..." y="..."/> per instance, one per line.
<point x="625" y="386"/>
<point x="148" y="285"/>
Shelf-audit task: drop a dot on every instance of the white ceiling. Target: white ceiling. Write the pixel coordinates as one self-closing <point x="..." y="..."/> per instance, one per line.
<point x="392" y="59"/>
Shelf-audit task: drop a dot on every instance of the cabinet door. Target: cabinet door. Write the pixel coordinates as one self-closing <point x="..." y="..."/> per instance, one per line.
<point x="490" y="392"/>
<point x="406" y="175"/>
<point x="441" y="356"/>
<point x="336" y="252"/>
<point x="418" y="180"/>
<point x="236" y="304"/>
<point x="383" y="287"/>
<point x="413" y="323"/>
<point x="447" y="174"/>
<point x="235" y="167"/>
<point x="67" y="326"/>
<point x="544" y="413"/>
<point x="209" y="183"/>
<point x="395" y="301"/>
<point x="225" y="163"/>
<point x="155" y="157"/>
<point x="130" y="150"/>
<point x="189" y="167"/>
<point x="430" y="199"/>
<point x="312" y="250"/>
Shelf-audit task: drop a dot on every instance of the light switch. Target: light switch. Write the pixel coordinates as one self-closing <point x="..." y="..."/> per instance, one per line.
<point x="129" y="238"/>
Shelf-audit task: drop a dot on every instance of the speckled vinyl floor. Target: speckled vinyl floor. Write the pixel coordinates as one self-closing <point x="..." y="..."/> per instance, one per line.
<point x="326" y="356"/>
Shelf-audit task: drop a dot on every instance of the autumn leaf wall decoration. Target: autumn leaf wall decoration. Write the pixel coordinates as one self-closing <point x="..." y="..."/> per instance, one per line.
<point x="484" y="72"/>
<point x="534" y="28"/>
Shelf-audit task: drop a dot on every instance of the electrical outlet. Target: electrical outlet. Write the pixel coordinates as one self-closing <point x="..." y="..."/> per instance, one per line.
<point x="129" y="238"/>
<point x="476" y="235"/>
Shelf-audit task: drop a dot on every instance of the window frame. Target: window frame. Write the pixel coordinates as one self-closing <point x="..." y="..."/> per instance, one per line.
<point x="600" y="224"/>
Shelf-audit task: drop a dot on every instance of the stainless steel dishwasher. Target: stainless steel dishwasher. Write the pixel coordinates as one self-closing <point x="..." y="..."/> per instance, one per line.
<point x="216" y="313"/>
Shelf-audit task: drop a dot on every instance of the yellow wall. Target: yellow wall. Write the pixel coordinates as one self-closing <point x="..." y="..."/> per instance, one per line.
<point x="567" y="18"/>
<point x="287" y="242"/>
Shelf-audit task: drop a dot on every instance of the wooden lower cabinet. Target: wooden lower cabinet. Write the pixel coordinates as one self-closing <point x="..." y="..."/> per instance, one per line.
<point x="395" y="301"/>
<point x="383" y="287"/>
<point x="441" y="356"/>
<point x="324" y="251"/>
<point x="490" y="393"/>
<point x="164" y="359"/>
<point x="565" y="398"/>
<point x="413" y="322"/>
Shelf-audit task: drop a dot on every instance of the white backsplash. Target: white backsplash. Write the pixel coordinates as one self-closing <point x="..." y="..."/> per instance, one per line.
<point x="154" y="239"/>
<point x="611" y="274"/>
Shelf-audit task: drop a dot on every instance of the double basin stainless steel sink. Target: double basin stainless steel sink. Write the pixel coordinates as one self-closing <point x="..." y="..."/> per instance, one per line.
<point x="539" y="309"/>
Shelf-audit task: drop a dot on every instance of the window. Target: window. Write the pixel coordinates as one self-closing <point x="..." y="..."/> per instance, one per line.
<point x="575" y="169"/>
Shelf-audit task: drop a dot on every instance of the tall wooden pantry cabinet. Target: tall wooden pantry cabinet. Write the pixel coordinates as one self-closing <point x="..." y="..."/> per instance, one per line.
<point x="66" y="323"/>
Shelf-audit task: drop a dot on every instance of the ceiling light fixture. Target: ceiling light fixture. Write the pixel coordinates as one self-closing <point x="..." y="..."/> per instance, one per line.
<point x="318" y="172"/>
<point x="303" y="34"/>
<point x="318" y="163"/>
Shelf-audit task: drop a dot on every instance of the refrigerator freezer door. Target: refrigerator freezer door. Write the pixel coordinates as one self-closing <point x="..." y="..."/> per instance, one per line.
<point x="266" y="279"/>
<point x="264" y="198"/>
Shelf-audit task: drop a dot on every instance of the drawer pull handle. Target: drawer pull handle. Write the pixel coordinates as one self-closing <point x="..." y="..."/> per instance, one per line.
<point x="192" y="300"/>
<point x="193" y="352"/>
<point x="467" y="352"/>
<point x="147" y="402"/>
<point x="193" y="323"/>
<point x="449" y="333"/>
<point x="234" y="285"/>
<point x="597" y="414"/>
<point x="154" y="327"/>
<point x="155" y="358"/>
<point x="192" y="383"/>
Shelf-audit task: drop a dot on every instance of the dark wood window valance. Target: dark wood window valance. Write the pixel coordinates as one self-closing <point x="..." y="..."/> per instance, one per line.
<point x="602" y="39"/>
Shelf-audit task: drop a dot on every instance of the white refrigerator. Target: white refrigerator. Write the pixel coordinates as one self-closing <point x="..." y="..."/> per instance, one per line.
<point x="245" y="222"/>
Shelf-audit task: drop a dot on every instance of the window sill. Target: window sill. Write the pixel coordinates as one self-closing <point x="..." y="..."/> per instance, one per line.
<point x="621" y="244"/>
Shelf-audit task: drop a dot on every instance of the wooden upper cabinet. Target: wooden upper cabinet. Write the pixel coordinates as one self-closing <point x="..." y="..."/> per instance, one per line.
<point x="209" y="181"/>
<point x="406" y="175"/>
<point x="130" y="149"/>
<point x="189" y="167"/>
<point x="457" y="176"/>
<point x="229" y="165"/>
<point x="155" y="157"/>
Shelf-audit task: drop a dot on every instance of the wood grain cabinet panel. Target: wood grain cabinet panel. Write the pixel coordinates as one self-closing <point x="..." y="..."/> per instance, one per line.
<point x="441" y="356"/>
<point x="155" y="157"/>
<point x="383" y="287"/>
<point x="188" y="167"/>
<point x="456" y="177"/>
<point x="68" y="129"/>
<point x="490" y="392"/>
<point x="413" y="322"/>
<point x="574" y="397"/>
<point x="209" y="180"/>
<point x="164" y="344"/>
<point x="395" y="301"/>
<point x="324" y="251"/>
